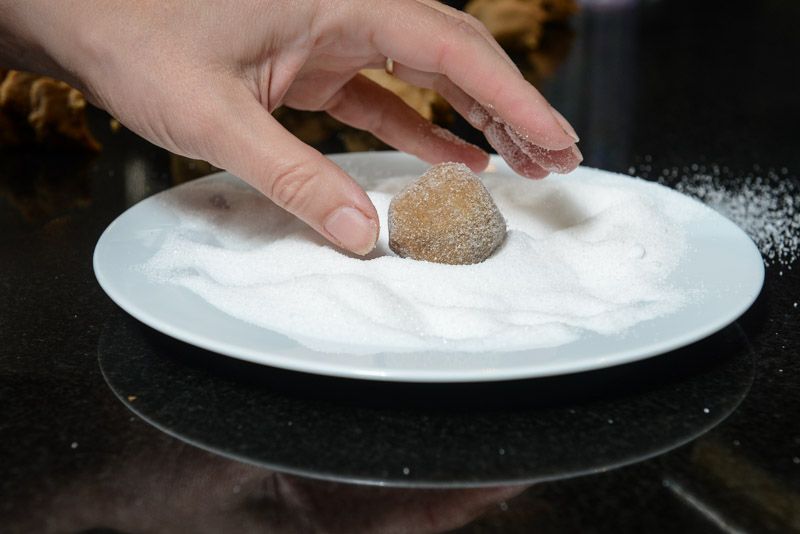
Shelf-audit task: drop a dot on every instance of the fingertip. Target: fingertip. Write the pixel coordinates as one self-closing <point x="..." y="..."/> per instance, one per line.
<point x="295" y="176"/>
<point x="471" y="155"/>
<point x="534" y="172"/>
<point x="549" y="135"/>
<point x="478" y="161"/>
<point x="578" y="156"/>
<point x="352" y="229"/>
<point x="565" y="125"/>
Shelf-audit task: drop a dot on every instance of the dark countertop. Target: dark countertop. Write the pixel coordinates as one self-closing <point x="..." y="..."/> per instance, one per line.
<point x="107" y="426"/>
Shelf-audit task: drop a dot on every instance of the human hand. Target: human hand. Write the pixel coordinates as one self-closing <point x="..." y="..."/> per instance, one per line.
<point x="158" y="484"/>
<point x="201" y="78"/>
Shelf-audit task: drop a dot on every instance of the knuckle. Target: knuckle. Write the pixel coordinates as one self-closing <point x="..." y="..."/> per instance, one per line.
<point x="465" y="26"/>
<point x="292" y="185"/>
<point x="461" y="34"/>
<point x="473" y="21"/>
<point x="481" y="28"/>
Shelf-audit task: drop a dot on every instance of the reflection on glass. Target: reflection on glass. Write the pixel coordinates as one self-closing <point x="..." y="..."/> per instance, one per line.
<point x="42" y="186"/>
<point x="164" y="486"/>
<point x="424" y="435"/>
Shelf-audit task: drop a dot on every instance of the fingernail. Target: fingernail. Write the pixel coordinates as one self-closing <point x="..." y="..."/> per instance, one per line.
<point x="352" y="229"/>
<point x="565" y="125"/>
<point x="577" y="152"/>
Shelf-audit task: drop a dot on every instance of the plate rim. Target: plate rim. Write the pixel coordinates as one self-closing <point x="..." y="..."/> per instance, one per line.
<point x="554" y="368"/>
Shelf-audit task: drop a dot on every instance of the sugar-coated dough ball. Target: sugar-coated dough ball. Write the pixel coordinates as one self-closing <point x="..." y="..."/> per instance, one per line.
<point x="445" y="216"/>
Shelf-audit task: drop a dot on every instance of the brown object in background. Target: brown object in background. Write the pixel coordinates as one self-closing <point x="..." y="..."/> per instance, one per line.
<point x="43" y="111"/>
<point x="7" y="134"/>
<point x="15" y="93"/>
<point x="311" y="127"/>
<point x="515" y="24"/>
<point x="58" y="115"/>
<point x="8" y="131"/>
<point x="553" y="50"/>
<point x="559" y="10"/>
<point x="15" y="105"/>
<point x="519" y="24"/>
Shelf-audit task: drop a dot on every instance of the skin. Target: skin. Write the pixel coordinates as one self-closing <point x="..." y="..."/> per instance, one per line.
<point x="200" y="79"/>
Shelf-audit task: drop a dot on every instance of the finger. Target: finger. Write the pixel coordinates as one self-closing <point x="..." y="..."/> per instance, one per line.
<point x="475" y="23"/>
<point x="425" y="39"/>
<point x="559" y="161"/>
<point x="245" y="139"/>
<point x="520" y="162"/>
<point x="509" y="143"/>
<point x="515" y="148"/>
<point x="366" y="105"/>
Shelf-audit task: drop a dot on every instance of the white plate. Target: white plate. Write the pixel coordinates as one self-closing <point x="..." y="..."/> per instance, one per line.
<point x="721" y="259"/>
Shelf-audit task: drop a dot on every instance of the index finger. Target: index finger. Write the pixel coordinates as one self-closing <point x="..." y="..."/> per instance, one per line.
<point x="426" y="39"/>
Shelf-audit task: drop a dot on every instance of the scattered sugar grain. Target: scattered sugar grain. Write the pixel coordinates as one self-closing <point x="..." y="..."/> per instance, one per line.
<point x="763" y="203"/>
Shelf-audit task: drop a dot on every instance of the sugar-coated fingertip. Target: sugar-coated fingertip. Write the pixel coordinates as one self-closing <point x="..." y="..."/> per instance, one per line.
<point x="565" y="125"/>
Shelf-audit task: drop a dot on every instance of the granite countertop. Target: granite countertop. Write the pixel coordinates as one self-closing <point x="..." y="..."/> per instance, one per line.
<point x="108" y="426"/>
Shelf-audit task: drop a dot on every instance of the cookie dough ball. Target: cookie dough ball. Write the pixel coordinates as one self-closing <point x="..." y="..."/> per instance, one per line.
<point x="445" y="216"/>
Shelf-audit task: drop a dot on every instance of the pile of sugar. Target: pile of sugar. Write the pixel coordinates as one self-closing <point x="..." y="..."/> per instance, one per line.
<point x="765" y="203"/>
<point x="584" y="253"/>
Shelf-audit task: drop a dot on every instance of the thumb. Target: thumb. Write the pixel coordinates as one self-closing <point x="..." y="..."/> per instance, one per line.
<point x="247" y="141"/>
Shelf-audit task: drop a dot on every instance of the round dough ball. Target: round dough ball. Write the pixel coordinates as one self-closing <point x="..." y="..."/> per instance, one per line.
<point x="445" y="216"/>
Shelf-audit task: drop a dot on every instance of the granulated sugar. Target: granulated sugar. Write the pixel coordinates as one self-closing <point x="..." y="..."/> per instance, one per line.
<point x="584" y="253"/>
<point x="765" y="204"/>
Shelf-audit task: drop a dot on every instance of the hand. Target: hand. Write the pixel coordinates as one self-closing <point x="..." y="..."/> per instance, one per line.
<point x="201" y="78"/>
<point x="158" y="484"/>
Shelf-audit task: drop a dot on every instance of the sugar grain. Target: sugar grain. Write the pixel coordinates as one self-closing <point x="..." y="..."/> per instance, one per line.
<point x="584" y="254"/>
